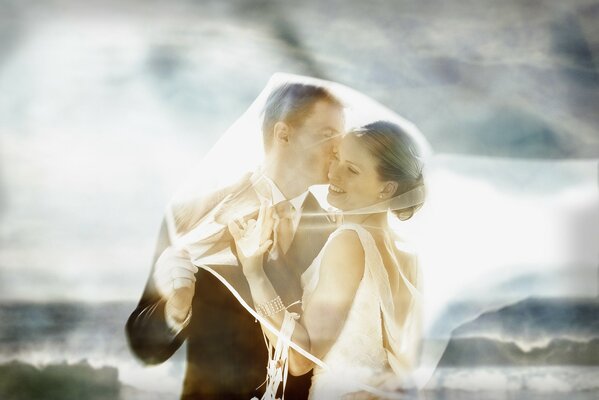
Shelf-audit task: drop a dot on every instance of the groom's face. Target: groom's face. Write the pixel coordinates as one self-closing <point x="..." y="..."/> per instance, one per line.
<point x="314" y="140"/>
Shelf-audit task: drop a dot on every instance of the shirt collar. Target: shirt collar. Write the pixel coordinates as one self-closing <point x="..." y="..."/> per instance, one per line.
<point x="266" y="188"/>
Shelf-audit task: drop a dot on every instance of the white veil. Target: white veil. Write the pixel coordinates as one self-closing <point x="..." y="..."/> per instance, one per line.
<point x="238" y="154"/>
<point x="240" y="151"/>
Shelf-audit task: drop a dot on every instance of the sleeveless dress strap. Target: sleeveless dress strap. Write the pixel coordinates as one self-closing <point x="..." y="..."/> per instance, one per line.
<point x="402" y="337"/>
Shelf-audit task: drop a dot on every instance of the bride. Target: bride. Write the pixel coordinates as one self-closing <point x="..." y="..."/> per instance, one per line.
<point x="360" y="304"/>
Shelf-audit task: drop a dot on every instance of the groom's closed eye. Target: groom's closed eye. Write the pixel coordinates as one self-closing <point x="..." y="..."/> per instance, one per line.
<point x="325" y="135"/>
<point x="329" y="133"/>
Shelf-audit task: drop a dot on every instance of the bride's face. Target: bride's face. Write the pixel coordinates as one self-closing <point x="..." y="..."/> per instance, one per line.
<point x="353" y="179"/>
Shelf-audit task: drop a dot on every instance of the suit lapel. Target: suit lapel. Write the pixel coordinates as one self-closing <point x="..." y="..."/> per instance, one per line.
<point x="285" y="272"/>
<point x="312" y="231"/>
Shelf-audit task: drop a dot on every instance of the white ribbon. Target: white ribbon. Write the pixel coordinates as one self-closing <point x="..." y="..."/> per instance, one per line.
<point x="278" y="363"/>
<point x="288" y="343"/>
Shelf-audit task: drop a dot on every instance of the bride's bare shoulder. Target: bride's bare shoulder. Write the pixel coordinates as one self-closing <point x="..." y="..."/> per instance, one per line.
<point x="345" y="252"/>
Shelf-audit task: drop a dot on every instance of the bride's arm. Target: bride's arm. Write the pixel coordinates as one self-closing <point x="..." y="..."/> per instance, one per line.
<point x="341" y="270"/>
<point x="325" y="313"/>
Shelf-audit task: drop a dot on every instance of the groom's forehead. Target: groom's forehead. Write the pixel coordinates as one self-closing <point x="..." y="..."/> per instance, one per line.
<point x="325" y="114"/>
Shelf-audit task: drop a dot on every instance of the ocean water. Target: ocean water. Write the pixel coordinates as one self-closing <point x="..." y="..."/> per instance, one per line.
<point x="67" y="333"/>
<point x="53" y="333"/>
<point x="538" y="382"/>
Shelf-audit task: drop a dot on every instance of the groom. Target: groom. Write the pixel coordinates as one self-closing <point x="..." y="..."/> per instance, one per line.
<point x="226" y="354"/>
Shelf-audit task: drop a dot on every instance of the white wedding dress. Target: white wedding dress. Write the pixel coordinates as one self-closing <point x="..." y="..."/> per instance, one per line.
<point x="359" y="355"/>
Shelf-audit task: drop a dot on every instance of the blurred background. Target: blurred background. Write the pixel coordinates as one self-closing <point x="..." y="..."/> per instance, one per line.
<point x="106" y="105"/>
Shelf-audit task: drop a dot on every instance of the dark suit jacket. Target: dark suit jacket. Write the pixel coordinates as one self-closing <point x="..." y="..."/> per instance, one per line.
<point x="226" y="353"/>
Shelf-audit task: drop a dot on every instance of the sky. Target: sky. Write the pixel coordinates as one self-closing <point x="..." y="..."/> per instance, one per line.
<point x="104" y="107"/>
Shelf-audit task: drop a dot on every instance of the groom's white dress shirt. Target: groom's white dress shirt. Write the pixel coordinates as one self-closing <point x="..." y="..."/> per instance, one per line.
<point x="273" y="196"/>
<point x="198" y="241"/>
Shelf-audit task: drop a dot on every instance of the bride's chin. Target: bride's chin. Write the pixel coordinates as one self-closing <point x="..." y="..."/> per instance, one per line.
<point x="332" y="200"/>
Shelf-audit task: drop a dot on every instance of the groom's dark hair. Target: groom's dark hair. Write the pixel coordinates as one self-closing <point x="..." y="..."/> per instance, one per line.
<point x="292" y="103"/>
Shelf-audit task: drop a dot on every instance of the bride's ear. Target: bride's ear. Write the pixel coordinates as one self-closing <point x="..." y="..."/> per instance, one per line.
<point x="388" y="190"/>
<point x="281" y="132"/>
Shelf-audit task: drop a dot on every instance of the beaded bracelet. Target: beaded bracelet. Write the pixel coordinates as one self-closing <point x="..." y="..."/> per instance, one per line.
<point x="270" y="307"/>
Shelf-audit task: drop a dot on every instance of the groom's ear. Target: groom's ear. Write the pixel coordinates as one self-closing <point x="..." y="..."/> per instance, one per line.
<point x="281" y="132"/>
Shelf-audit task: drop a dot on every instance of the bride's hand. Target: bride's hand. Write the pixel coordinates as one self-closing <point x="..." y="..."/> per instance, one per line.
<point x="252" y="239"/>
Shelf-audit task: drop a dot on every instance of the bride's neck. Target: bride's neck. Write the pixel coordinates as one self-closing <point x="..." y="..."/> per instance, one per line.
<point x="375" y="221"/>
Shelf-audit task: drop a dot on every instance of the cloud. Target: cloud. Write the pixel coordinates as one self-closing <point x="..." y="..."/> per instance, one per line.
<point x="102" y="119"/>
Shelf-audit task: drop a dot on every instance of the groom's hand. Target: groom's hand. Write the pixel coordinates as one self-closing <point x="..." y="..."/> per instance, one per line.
<point x="178" y="308"/>
<point x="174" y="276"/>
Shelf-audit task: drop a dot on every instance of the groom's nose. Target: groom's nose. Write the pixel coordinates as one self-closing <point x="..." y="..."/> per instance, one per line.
<point x="334" y="146"/>
<point x="332" y="174"/>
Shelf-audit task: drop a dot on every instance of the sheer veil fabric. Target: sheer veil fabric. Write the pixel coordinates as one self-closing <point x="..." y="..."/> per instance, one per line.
<point x="197" y="219"/>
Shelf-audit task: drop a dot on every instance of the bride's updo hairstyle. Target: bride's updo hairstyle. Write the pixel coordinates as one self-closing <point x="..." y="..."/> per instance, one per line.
<point x="397" y="156"/>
